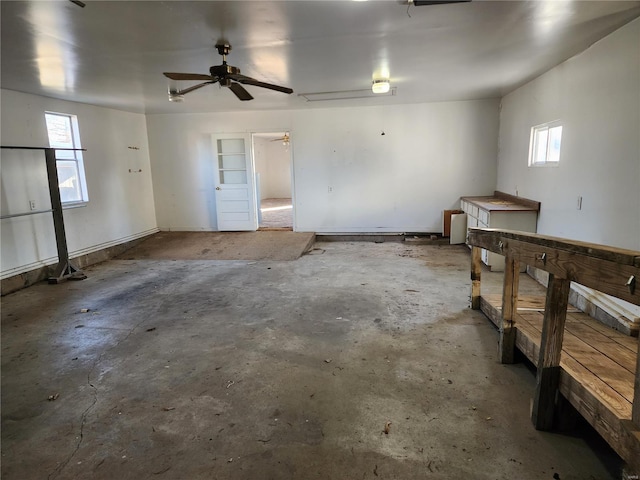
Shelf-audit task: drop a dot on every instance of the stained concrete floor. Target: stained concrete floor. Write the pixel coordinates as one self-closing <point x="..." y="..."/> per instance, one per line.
<point x="272" y="370"/>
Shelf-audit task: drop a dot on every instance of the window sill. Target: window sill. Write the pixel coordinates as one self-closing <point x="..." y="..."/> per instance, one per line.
<point x="70" y="205"/>
<point x="544" y="165"/>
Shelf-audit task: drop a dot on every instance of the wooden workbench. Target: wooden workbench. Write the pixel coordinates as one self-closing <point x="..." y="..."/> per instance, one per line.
<point x="596" y="368"/>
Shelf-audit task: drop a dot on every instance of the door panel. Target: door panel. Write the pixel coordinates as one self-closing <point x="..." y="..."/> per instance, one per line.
<point x="235" y="191"/>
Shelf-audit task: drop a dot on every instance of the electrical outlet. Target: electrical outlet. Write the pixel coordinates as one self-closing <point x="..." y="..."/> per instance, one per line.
<point x="330" y="189"/>
<point x="32" y="204"/>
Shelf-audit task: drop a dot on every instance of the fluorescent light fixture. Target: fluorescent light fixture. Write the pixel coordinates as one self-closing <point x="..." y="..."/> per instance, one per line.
<point x="345" y="95"/>
<point x="419" y="3"/>
<point x="380" y="86"/>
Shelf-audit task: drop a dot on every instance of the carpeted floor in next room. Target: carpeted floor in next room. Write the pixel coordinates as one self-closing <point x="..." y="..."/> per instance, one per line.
<point x="277" y="213"/>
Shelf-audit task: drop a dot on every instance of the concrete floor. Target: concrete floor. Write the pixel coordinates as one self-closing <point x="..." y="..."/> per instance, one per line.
<point x="272" y="370"/>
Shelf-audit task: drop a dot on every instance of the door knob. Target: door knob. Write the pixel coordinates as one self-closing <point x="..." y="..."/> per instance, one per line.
<point x="218" y="188"/>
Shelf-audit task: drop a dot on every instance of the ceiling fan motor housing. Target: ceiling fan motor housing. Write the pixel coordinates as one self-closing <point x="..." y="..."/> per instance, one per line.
<point x="223" y="70"/>
<point x="223" y="48"/>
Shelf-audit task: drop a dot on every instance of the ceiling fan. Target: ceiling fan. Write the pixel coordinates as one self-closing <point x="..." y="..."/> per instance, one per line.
<point x="225" y="75"/>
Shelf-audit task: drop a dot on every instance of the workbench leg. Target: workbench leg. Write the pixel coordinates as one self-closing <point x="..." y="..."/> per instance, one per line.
<point x="476" y="270"/>
<point x="548" y="376"/>
<point x="633" y="462"/>
<point x="509" y="309"/>
<point x="635" y="410"/>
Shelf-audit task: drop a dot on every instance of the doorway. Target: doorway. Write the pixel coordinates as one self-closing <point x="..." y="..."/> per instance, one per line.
<point x="272" y="160"/>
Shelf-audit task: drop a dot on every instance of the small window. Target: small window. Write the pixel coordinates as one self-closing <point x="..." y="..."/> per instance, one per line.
<point x="63" y="133"/>
<point x="544" y="147"/>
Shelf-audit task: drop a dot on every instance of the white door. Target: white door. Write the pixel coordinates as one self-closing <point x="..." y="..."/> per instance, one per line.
<point x="235" y="190"/>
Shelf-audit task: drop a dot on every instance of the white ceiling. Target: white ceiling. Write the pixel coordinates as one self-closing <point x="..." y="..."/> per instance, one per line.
<point x="113" y="53"/>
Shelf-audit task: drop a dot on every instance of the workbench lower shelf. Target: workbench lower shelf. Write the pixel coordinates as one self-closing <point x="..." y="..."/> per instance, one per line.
<point x="598" y="366"/>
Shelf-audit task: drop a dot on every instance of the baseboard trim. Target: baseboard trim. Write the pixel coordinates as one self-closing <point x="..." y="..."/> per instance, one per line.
<point x="81" y="259"/>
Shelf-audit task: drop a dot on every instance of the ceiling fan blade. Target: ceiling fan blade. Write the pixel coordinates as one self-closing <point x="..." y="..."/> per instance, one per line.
<point x="188" y="76"/>
<point x="191" y="89"/>
<point x="240" y="92"/>
<point x="252" y="81"/>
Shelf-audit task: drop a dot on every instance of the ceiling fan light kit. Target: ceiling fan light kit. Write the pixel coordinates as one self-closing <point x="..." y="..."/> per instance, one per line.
<point x="380" y="86"/>
<point x="226" y="75"/>
<point x="176" y="97"/>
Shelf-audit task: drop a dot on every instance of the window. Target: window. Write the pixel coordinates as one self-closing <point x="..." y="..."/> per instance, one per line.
<point x="63" y="133"/>
<point x="544" y="147"/>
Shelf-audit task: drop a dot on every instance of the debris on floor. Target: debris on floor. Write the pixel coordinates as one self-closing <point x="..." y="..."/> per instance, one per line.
<point x="53" y="397"/>
<point x="387" y="428"/>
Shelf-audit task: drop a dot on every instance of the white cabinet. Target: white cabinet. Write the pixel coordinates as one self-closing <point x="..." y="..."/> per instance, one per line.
<point x="500" y="211"/>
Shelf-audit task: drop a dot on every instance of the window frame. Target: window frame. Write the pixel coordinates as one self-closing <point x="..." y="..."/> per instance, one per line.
<point x="534" y="144"/>
<point x="71" y="156"/>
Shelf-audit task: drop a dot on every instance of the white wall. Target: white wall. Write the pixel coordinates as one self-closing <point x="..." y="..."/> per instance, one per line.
<point x="278" y="170"/>
<point x="260" y="163"/>
<point x="430" y="155"/>
<point x="596" y="95"/>
<point x="120" y="205"/>
<point x="182" y="162"/>
<point x="273" y="163"/>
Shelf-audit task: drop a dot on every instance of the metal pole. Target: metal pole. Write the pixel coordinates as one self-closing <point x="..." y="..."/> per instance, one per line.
<point x="64" y="269"/>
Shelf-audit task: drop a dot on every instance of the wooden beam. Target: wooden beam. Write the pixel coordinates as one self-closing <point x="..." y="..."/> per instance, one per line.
<point x="608" y="270"/>
<point x="603" y="275"/>
<point x="489" y="239"/>
<point x="509" y="309"/>
<point x="603" y="252"/>
<point x="548" y="376"/>
<point x="476" y="271"/>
